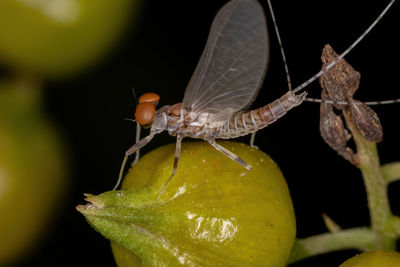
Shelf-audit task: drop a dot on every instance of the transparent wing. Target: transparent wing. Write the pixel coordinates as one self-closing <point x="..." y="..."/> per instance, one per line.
<point x="233" y="64"/>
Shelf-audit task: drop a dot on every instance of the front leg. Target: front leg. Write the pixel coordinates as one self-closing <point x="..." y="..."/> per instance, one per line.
<point x="129" y="152"/>
<point x="137" y="138"/>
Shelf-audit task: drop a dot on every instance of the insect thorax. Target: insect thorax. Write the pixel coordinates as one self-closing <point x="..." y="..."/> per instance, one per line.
<point x="185" y="126"/>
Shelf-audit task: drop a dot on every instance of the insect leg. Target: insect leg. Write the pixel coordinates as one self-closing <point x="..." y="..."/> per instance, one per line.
<point x="129" y="152"/>
<point x="175" y="167"/>
<point x="230" y="154"/>
<point x="252" y="139"/>
<point x="136" y="141"/>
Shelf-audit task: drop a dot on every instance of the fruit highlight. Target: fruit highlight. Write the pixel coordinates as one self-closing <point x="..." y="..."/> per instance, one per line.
<point x="208" y="214"/>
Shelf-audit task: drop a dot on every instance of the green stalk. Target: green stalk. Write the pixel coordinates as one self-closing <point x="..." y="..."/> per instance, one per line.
<point x="362" y="238"/>
<point x="394" y="226"/>
<point x="391" y="172"/>
<point x="384" y="229"/>
<point x="375" y="185"/>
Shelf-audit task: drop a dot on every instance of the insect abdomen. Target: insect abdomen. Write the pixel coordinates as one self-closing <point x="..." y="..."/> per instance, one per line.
<point x="251" y="121"/>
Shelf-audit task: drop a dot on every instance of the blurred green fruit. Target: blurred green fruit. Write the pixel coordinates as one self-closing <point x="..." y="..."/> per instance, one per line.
<point x="208" y="215"/>
<point x="32" y="173"/>
<point x="378" y="258"/>
<point x="60" y="37"/>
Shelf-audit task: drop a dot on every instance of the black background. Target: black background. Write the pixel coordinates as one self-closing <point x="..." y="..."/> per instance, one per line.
<point x="160" y="53"/>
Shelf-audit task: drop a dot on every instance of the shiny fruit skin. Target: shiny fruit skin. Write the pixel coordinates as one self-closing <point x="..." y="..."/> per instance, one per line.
<point x="256" y="209"/>
<point x="57" y="38"/>
<point x="375" y="258"/>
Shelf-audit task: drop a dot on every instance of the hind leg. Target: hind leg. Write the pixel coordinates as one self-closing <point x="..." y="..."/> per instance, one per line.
<point x="252" y="139"/>
<point x="230" y="155"/>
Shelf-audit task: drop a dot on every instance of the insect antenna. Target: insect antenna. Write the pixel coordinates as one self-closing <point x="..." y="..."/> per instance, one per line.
<point x="129" y="119"/>
<point x="134" y="95"/>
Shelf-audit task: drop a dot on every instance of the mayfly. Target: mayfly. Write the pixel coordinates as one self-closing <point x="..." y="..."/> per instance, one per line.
<point x="225" y="83"/>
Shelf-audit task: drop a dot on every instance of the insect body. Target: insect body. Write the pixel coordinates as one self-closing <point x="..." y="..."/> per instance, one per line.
<point x="239" y="124"/>
<point x="225" y="83"/>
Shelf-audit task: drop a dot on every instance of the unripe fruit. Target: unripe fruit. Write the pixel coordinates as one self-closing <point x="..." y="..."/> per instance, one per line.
<point x="60" y="37"/>
<point x="32" y="173"/>
<point x="208" y="215"/>
<point x="375" y="258"/>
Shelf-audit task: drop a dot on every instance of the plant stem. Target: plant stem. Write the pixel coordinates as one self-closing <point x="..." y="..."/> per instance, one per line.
<point x="394" y="225"/>
<point x="356" y="238"/>
<point x="375" y="185"/>
<point x="391" y="172"/>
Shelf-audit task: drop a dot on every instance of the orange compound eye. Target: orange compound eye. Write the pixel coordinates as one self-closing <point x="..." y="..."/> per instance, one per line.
<point x="149" y="98"/>
<point x="145" y="113"/>
<point x="176" y="109"/>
